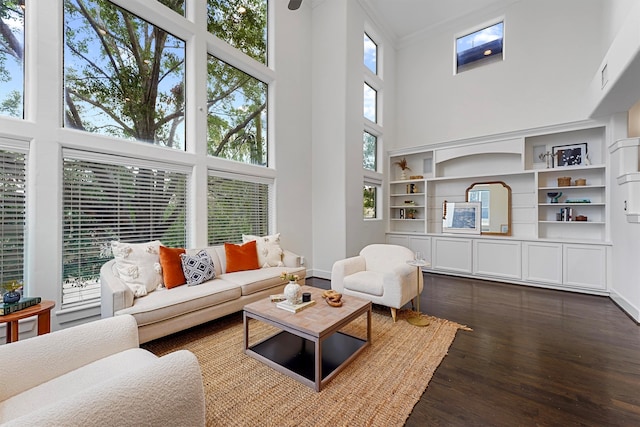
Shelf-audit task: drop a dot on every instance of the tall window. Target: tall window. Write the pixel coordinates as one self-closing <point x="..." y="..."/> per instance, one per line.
<point x="369" y="151"/>
<point x="107" y="198"/>
<point x="12" y="57"/>
<point x="242" y="24"/>
<point x="12" y="215"/>
<point x="370" y="54"/>
<point x="124" y="77"/>
<point x="370" y="103"/>
<point x="237" y="120"/>
<point x="480" y="47"/>
<point x="237" y="206"/>
<point x="370" y="201"/>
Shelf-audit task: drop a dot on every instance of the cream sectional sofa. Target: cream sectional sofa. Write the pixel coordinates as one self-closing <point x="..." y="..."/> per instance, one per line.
<point x="166" y="311"/>
<point x="95" y="374"/>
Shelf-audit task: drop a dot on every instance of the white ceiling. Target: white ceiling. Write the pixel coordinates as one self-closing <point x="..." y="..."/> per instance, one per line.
<point x="404" y="18"/>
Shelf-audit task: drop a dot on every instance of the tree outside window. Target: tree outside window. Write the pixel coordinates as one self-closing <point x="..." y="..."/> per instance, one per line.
<point x="370" y="201"/>
<point x="12" y="57"/>
<point x="369" y="151"/>
<point x="124" y="76"/>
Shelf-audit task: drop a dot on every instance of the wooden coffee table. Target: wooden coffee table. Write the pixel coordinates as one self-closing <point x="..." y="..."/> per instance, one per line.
<point x="310" y="346"/>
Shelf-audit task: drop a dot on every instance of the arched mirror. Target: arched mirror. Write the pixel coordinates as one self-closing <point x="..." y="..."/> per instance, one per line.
<point x="495" y="199"/>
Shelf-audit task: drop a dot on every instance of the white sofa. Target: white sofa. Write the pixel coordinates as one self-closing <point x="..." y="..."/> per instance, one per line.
<point x="95" y="374"/>
<point x="166" y="311"/>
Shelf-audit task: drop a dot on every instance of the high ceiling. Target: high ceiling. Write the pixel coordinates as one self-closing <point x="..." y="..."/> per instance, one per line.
<point x="403" y="18"/>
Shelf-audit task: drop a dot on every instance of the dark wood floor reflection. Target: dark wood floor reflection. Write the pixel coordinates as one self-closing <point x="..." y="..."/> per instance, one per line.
<point x="535" y="357"/>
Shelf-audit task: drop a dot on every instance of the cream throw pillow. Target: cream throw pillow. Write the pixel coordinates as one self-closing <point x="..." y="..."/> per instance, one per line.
<point x="138" y="265"/>
<point x="269" y="250"/>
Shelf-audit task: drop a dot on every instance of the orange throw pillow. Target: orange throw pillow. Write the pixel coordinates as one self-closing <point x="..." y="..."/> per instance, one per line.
<point x="172" y="273"/>
<point x="241" y="257"/>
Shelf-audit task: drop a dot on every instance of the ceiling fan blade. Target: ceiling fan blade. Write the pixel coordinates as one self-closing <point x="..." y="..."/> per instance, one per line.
<point x="294" y="4"/>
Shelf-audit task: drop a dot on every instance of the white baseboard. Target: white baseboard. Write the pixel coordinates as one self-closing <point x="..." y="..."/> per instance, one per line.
<point x="321" y="274"/>
<point x="625" y="305"/>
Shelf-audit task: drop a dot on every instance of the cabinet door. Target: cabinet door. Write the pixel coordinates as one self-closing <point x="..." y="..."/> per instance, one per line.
<point x="542" y="262"/>
<point x="422" y="244"/>
<point x="585" y="266"/>
<point x="497" y="258"/>
<point x="398" y="240"/>
<point x="451" y="254"/>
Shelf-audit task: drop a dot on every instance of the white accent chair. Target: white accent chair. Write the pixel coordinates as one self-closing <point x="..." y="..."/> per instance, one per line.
<point x="380" y="274"/>
<point x="95" y="374"/>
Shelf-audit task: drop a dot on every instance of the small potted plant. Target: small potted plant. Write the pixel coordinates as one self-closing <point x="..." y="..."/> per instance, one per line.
<point x="10" y="291"/>
<point x="403" y="167"/>
<point x="411" y="213"/>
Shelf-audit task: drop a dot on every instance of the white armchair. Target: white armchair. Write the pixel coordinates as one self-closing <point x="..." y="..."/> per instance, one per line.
<point x="95" y="374"/>
<point x="380" y="274"/>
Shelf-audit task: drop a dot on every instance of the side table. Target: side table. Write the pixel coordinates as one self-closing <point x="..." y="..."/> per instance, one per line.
<point x="418" y="320"/>
<point x="42" y="310"/>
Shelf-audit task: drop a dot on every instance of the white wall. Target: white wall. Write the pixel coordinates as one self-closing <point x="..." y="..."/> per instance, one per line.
<point x="339" y="229"/>
<point x="292" y="123"/>
<point x="552" y="50"/>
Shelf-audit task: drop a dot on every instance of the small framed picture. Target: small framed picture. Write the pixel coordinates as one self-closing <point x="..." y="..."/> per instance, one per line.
<point x="570" y="155"/>
<point x="461" y="217"/>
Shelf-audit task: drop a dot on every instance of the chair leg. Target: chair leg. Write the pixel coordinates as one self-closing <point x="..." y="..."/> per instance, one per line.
<point x="393" y="314"/>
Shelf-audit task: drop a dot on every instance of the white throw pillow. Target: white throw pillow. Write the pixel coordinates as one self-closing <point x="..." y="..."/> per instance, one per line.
<point x="138" y="265"/>
<point x="269" y="250"/>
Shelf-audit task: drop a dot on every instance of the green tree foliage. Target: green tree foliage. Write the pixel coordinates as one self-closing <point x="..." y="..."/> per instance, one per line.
<point x="123" y="76"/>
<point x="11" y="50"/>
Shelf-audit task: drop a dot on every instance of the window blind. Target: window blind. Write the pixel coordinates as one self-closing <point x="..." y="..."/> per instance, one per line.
<point x="237" y="206"/>
<point x="115" y="199"/>
<point x="13" y="215"/>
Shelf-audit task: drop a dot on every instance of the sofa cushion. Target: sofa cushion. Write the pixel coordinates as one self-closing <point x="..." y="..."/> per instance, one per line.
<point x="367" y="282"/>
<point x="269" y="250"/>
<point x="76" y="381"/>
<point x="138" y="265"/>
<point x="241" y="257"/>
<point x="172" y="274"/>
<point x="197" y="268"/>
<point x="166" y="304"/>
<point x="252" y="281"/>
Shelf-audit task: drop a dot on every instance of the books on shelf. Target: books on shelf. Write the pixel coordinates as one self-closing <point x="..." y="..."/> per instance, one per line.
<point x="24" y="302"/>
<point x="294" y="308"/>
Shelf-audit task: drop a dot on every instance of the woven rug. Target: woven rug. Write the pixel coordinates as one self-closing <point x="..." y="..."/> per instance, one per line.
<point x="379" y="388"/>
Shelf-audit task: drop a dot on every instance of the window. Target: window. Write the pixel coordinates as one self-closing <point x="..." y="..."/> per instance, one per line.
<point x="12" y="57"/>
<point x="370" y="201"/>
<point x="370" y="103"/>
<point x="123" y="76"/>
<point x="370" y="54"/>
<point x="109" y="198"/>
<point x="370" y="151"/>
<point x="237" y="120"/>
<point x="12" y="215"/>
<point x="242" y="24"/>
<point x="480" y="47"/>
<point x="237" y="206"/>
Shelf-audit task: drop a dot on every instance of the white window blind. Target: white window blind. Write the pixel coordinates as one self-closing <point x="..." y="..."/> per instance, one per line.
<point x="237" y="206"/>
<point x="12" y="214"/>
<point x="115" y="199"/>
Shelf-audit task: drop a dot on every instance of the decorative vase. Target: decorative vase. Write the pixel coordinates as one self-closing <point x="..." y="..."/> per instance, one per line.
<point x="403" y="174"/>
<point x="293" y="292"/>
<point x="10" y="297"/>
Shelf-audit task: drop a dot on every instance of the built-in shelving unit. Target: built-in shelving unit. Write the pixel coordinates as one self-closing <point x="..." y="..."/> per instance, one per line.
<point x="544" y="248"/>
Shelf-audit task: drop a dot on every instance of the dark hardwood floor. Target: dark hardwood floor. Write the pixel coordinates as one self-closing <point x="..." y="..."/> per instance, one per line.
<point x="535" y="357"/>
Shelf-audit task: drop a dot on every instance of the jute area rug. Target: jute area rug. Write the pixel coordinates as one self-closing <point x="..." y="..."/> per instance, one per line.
<point x="379" y="388"/>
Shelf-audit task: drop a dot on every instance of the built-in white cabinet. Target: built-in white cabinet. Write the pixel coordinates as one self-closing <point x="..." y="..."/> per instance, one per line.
<point x="584" y="266"/>
<point x="559" y="206"/>
<point x="452" y="255"/>
<point x="542" y="262"/>
<point x="499" y="259"/>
